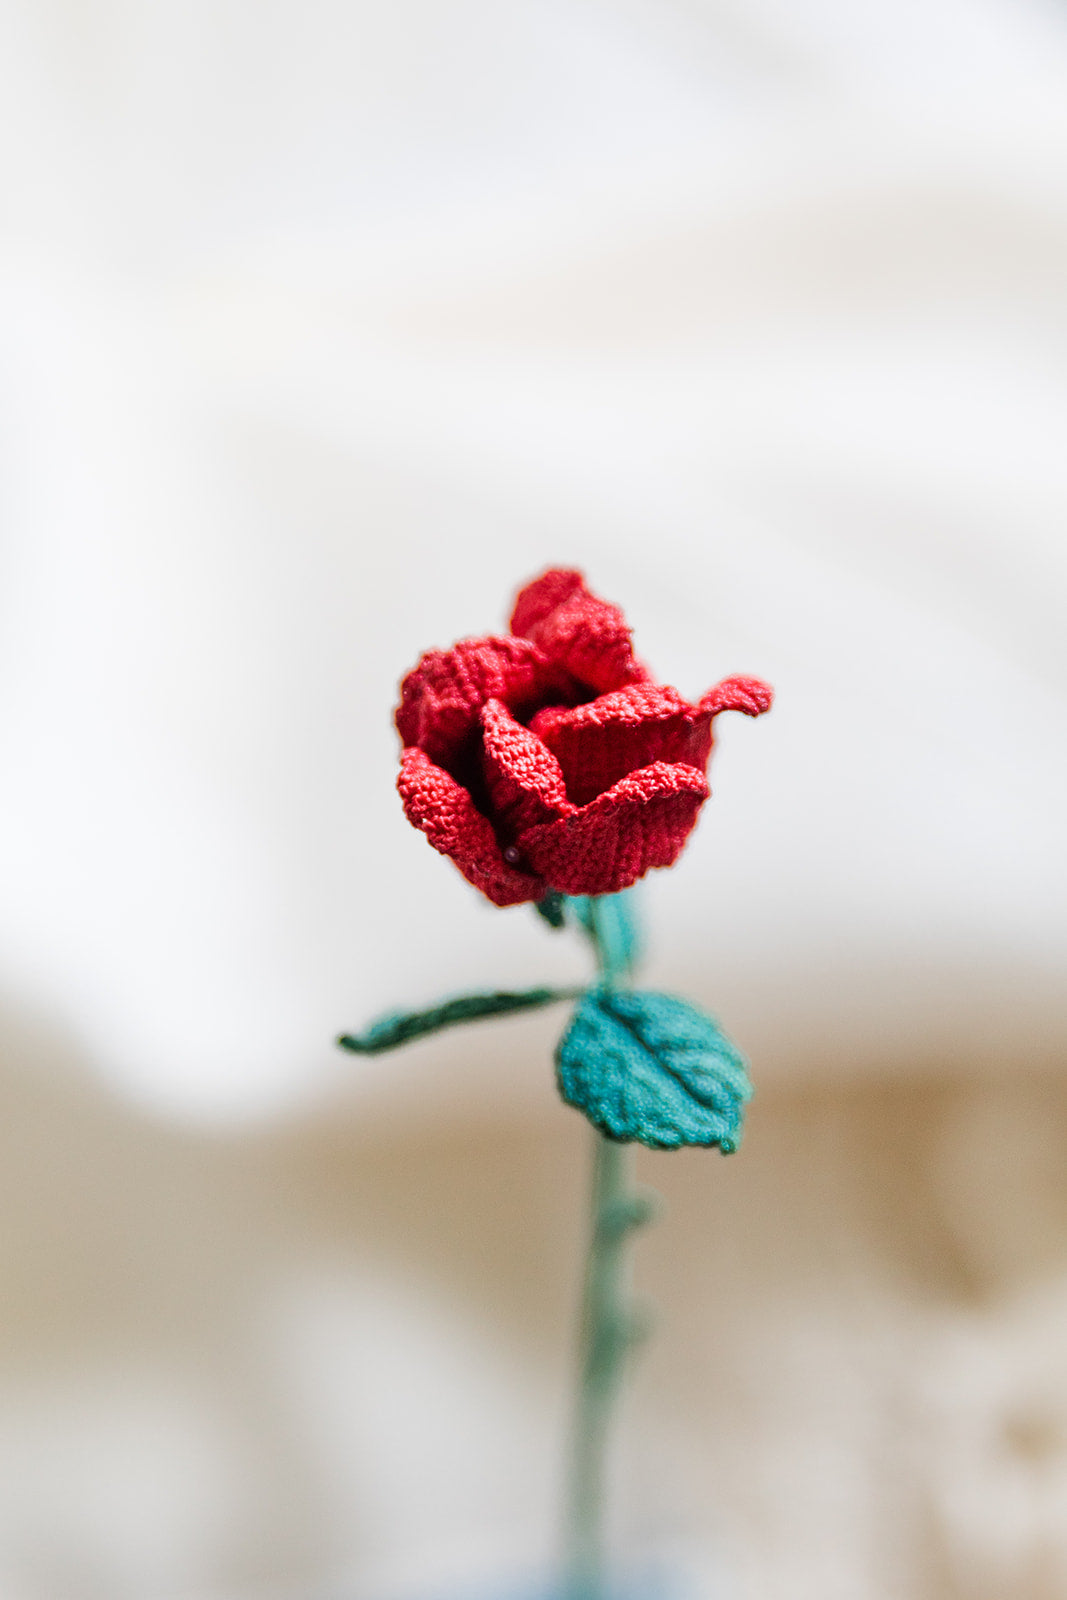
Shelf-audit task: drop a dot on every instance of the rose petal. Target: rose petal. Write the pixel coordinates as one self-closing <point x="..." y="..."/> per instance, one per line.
<point x="600" y="742"/>
<point x="543" y="595"/>
<point x="749" y="695"/>
<point x="642" y="822"/>
<point x="524" y="780"/>
<point x="585" y="635"/>
<point x="447" y="815"/>
<point x="441" y="697"/>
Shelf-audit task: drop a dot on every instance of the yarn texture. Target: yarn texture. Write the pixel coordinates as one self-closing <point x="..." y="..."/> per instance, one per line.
<point x="652" y="1068"/>
<point x="547" y="760"/>
<point x="400" y="1027"/>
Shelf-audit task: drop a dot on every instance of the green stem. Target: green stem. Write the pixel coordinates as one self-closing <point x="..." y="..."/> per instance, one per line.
<point x="609" y="1327"/>
<point x="607" y="1333"/>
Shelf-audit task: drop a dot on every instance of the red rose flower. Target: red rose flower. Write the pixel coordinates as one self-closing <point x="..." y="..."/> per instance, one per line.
<point x="548" y="759"/>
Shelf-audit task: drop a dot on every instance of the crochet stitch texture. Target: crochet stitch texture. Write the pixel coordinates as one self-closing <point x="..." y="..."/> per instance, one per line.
<point x="548" y="759"/>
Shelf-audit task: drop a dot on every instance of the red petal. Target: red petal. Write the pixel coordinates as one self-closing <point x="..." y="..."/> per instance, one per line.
<point x="586" y="636"/>
<point x="642" y="822"/>
<point x="447" y="815"/>
<point x="749" y="695"/>
<point x="541" y="597"/>
<point x="524" y="779"/>
<point x="599" y="743"/>
<point x="441" y="697"/>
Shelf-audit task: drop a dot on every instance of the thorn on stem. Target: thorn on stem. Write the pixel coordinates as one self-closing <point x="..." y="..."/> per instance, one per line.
<point x="631" y="1211"/>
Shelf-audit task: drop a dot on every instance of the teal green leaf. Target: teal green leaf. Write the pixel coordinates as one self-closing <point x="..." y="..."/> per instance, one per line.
<point x="653" y="1068"/>
<point x="388" y="1032"/>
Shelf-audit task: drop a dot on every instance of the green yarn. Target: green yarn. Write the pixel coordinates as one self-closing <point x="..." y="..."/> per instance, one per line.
<point x="610" y="921"/>
<point x="398" y="1027"/>
<point x="611" y="1326"/>
<point x="553" y="909"/>
<point x="649" y="1067"/>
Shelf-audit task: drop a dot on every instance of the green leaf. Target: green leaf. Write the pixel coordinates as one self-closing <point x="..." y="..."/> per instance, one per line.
<point x="388" y="1032"/>
<point x="653" y="1068"/>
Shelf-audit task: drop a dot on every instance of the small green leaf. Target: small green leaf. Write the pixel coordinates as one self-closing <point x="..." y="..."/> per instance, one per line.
<point x="653" y="1068"/>
<point x="400" y="1026"/>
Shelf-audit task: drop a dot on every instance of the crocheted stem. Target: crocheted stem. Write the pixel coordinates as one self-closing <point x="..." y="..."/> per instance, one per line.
<point x="609" y="1327"/>
<point x="607" y="1332"/>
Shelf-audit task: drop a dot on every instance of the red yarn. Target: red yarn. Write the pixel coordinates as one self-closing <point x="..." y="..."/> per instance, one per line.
<point x="548" y="759"/>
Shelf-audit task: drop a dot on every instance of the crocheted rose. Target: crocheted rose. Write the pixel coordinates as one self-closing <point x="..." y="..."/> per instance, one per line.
<point x="548" y="758"/>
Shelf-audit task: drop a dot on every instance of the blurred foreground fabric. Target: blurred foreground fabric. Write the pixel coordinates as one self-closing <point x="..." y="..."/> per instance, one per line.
<point x="322" y="328"/>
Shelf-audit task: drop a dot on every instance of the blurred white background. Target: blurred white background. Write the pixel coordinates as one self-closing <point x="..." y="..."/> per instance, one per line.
<point x="322" y="328"/>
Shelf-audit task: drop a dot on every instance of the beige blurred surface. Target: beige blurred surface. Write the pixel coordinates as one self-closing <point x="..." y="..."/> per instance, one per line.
<point x="322" y="327"/>
<point x="335" y="1357"/>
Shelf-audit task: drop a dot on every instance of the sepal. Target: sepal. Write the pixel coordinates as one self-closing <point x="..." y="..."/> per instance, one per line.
<point x="553" y="909"/>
